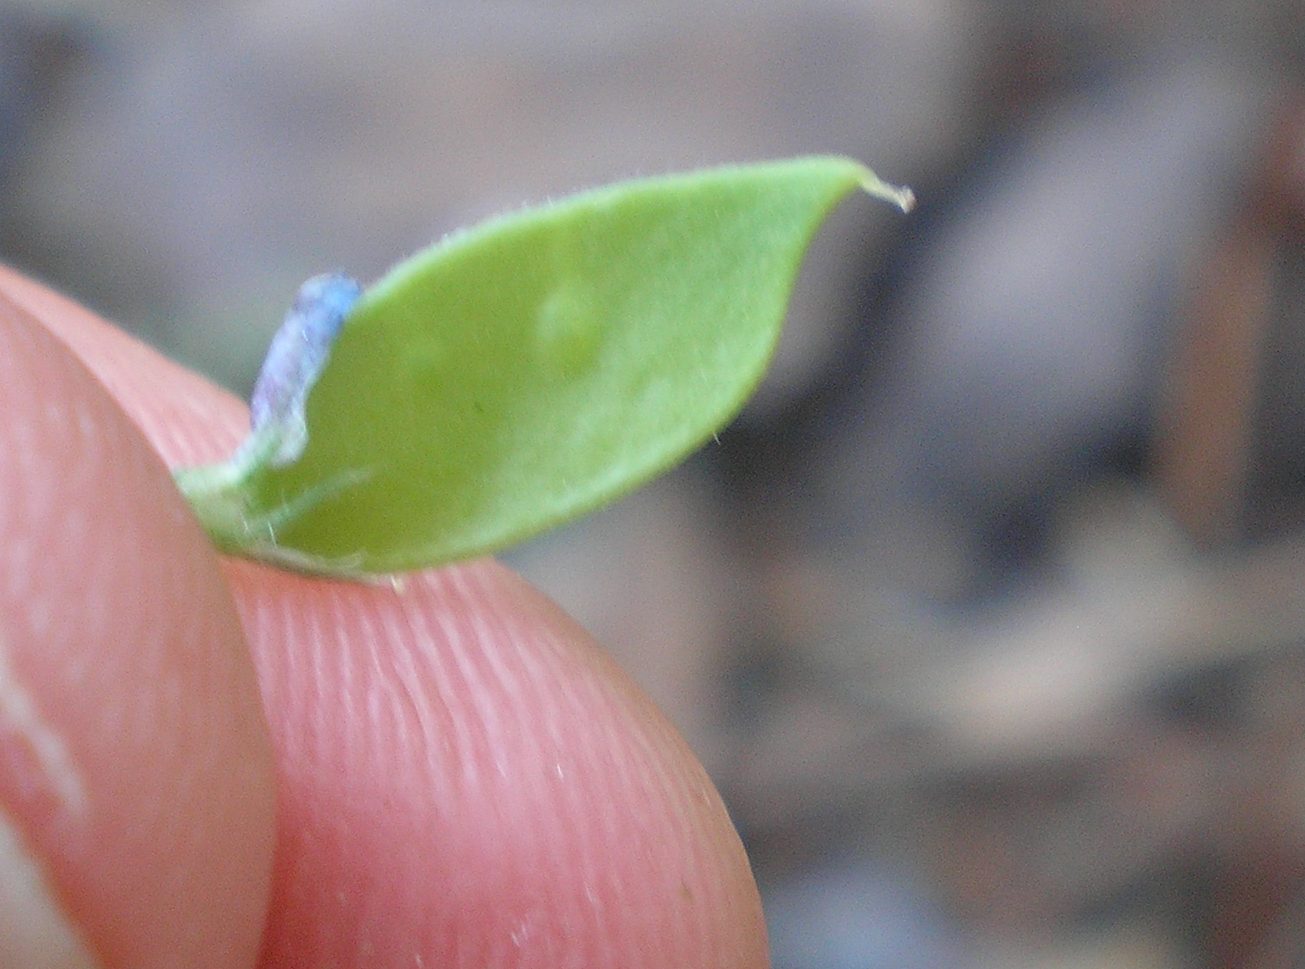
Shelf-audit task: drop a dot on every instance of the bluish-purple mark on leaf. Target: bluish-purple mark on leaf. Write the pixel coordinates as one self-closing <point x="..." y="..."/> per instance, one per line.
<point x="295" y="360"/>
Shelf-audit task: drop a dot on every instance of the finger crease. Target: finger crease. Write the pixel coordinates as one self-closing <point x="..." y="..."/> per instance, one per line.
<point x="20" y="714"/>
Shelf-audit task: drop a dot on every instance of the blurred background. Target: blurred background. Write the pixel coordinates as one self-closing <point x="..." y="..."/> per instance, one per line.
<point x="988" y="615"/>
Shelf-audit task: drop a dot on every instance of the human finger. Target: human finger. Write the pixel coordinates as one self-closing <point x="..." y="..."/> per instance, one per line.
<point x="136" y="783"/>
<point x="465" y="778"/>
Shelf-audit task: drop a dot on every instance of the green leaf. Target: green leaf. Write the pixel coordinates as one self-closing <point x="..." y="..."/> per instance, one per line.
<point x="526" y="371"/>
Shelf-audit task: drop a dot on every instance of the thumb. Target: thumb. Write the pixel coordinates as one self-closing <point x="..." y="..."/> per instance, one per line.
<point x="469" y="781"/>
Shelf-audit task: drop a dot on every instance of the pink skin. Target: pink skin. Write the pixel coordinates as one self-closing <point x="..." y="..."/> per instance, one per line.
<point x="462" y="778"/>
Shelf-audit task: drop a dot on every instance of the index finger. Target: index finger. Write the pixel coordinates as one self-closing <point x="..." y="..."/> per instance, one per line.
<point x="136" y="781"/>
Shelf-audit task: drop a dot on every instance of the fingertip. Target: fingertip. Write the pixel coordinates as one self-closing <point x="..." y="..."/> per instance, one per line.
<point x="469" y="780"/>
<point x="134" y="761"/>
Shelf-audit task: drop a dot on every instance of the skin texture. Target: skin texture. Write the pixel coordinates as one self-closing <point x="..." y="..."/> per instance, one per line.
<point x="257" y="768"/>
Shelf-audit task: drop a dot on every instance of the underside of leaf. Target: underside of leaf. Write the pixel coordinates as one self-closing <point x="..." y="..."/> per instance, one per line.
<point x="528" y="370"/>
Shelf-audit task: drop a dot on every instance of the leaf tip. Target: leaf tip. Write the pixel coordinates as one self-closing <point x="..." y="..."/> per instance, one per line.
<point x="901" y="196"/>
